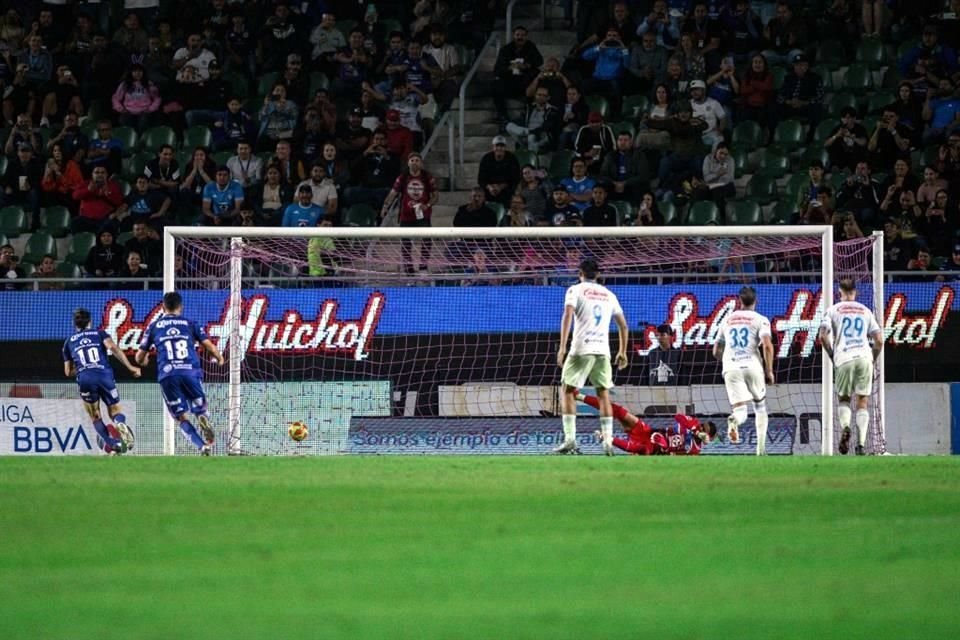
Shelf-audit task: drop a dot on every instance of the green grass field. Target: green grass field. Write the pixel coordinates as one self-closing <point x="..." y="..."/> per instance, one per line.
<point x="458" y="547"/>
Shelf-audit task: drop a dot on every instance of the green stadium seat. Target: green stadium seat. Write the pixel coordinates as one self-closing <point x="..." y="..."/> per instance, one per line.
<point x="858" y="79"/>
<point x="238" y="83"/>
<point x="838" y="102"/>
<point x="360" y="215"/>
<point x="221" y="157"/>
<point x="741" y="162"/>
<point x="389" y="26"/>
<point x="823" y="131"/>
<point x="772" y="163"/>
<point x="123" y="238"/>
<point x="871" y="53"/>
<point x="762" y="189"/>
<point x="831" y="54"/>
<point x="747" y="136"/>
<point x="67" y="269"/>
<point x="560" y="164"/>
<point x="127" y="137"/>
<point x="788" y="134"/>
<point x="598" y="103"/>
<point x="635" y="106"/>
<point x="80" y="246"/>
<point x="525" y="156"/>
<point x="814" y="154"/>
<point x="13" y="221"/>
<point x="499" y="209"/>
<point x="197" y="136"/>
<point x="318" y="80"/>
<point x="879" y="100"/>
<point x="669" y="212"/>
<point x="265" y="83"/>
<point x="3" y="159"/>
<point x="795" y="184"/>
<point x="906" y="47"/>
<point x="56" y="221"/>
<point x="625" y="126"/>
<point x="464" y="55"/>
<point x="156" y="137"/>
<point x="39" y="244"/>
<point x="125" y="187"/>
<point x="782" y="212"/>
<point x="779" y="74"/>
<point x="743" y="212"/>
<point x="3" y="239"/>
<point x="625" y="211"/>
<point x="28" y="268"/>
<point x="703" y="213"/>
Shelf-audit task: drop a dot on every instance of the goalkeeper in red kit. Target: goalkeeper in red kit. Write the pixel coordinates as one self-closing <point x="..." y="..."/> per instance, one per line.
<point x="685" y="438"/>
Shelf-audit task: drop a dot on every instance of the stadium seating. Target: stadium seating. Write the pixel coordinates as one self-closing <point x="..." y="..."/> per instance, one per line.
<point x="80" y="245"/>
<point x="669" y="212"/>
<point x="560" y="164"/>
<point x="703" y="212"/>
<point x="858" y="79"/>
<point x="197" y="136"/>
<point x="525" y="156"/>
<point x="56" y="221"/>
<point x="39" y="244"/>
<point x="598" y="103"/>
<point x="788" y="135"/>
<point x="871" y="54"/>
<point x="156" y="137"/>
<point x="625" y="211"/>
<point x="744" y="212"/>
<point x="360" y="215"/>
<point x="747" y="135"/>
<point x="619" y="127"/>
<point x="13" y="221"/>
<point x="772" y="163"/>
<point x="499" y="209"/>
<point x="127" y="137"/>
<point x="782" y="212"/>
<point x="762" y="189"/>
<point x="635" y="106"/>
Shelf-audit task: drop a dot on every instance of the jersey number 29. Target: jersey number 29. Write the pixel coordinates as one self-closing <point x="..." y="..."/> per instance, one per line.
<point x="852" y="328"/>
<point x="177" y="349"/>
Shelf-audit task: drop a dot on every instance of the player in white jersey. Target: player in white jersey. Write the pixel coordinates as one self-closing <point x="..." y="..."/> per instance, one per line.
<point x="589" y="307"/>
<point x="851" y="336"/>
<point x="741" y="336"/>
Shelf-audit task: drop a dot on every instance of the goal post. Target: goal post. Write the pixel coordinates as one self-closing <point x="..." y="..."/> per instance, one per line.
<point x="484" y="357"/>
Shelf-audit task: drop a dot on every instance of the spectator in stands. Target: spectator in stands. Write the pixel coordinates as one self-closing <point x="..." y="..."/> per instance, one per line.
<point x="579" y="185"/>
<point x="333" y="164"/>
<point x="897" y="250"/>
<point x="936" y="223"/>
<point x="536" y="194"/>
<point x="245" y="168"/>
<point x="378" y="169"/>
<point x="352" y="137"/>
<point x="158" y="62"/>
<point x="278" y="117"/>
<point x="163" y="172"/>
<point x="399" y="138"/>
<point x="18" y="96"/>
<point x="611" y="57"/>
<point x="323" y="192"/>
<point x="648" y="64"/>
<point x="801" y="96"/>
<point x="675" y="78"/>
<point x="475" y="213"/>
<point x="392" y="64"/>
<point x="446" y="81"/>
<point x="901" y="180"/>
<point x="516" y="66"/>
<point x="146" y="206"/>
<point x="922" y="265"/>
<point x="132" y="268"/>
<point x="104" y="150"/>
<point x="131" y="36"/>
<point x="626" y="169"/>
<point x="283" y="35"/>
<point x="240" y="47"/>
<point x="553" y="80"/>
<point x="222" y="199"/>
<point x="709" y="111"/>
<point x="890" y="141"/>
<point x="292" y="169"/>
<point x="662" y="25"/>
<point x="310" y="137"/>
<point x="419" y="69"/>
<point x="575" y="113"/>
<point x="694" y="64"/>
<point x="948" y="160"/>
<point x="105" y="258"/>
<point x="724" y="87"/>
<point x="541" y="126"/>
<point x="295" y="80"/>
<point x="648" y="212"/>
<point x="10" y="268"/>
<point x="499" y="172"/>
<point x="270" y="198"/>
<point x="599" y="213"/>
<point x="860" y="194"/>
<point x="195" y="55"/>
<point x="808" y="193"/>
<point x="61" y="177"/>
<point x="685" y="159"/>
<point x="198" y="173"/>
<point x="145" y="242"/>
<point x="560" y="210"/>
<point x="743" y="29"/>
<point x="62" y="96"/>
<point x="326" y="40"/>
<point x="427" y="12"/>
<point x="354" y="66"/>
<point x="303" y="212"/>
<point x="847" y="143"/>
<point x="47" y="270"/>
<point x="943" y="56"/>
<point x="213" y="94"/>
<point x="100" y="201"/>
<point x="819" y="210"/>
<point x="417" y="192"/>
<point x="717" y="181"/>
<point x="372" y="113"/>
<point x="594" y="141"/>
<point x="22" y="182"/>
<point x="932" y="183"/>
<point x="909" y="110"/>
<point x="785" y="34"/>
<point x="21" y="133"/>
<point x="941" y="113"/>
<point x="11" y="26"/>
<point x="663" y="360"/>
<point x="406" y="99"/>
<point x="705" y="31"/>
<point x="39" y="63"/>
<point x="757" y="98"/>
<point x="71" y="139"/>
<point x="518" y="215"/>
<point x="136" y="100"/>
<point x="950" y="270"/>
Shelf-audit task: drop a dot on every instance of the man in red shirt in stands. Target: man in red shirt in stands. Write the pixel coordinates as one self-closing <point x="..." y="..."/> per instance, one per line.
<point x="99" y="199"/>
<point x="417" y="191"/>
<point x="399" y="138"/>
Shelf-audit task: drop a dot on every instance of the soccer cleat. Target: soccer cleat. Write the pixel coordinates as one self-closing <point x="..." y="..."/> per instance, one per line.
<point x="607" y="445"/>
<point x="126" y="435"/>
<point x="568" y="446"/>
<point x="206" y="450"/>
<point x="733" y="432"/>
<point x="859" y="450"/>
<point x="845" y="441"/>
<point x="206" y="430"/>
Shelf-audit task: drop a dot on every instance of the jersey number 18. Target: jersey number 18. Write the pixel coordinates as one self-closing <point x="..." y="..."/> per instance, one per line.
<point x="176" y="349"/>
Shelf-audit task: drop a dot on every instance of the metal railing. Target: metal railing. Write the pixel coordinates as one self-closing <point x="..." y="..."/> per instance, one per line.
<point x="446" y="120"/>
<point x="493" y="40"/>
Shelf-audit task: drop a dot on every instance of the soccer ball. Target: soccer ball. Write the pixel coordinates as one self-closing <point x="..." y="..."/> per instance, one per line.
<point x="298" y="430"/>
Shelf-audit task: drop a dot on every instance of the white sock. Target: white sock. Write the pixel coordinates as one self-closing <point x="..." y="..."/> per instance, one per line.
<point x="569" y="428"/>
<point x="760" y="415"/>
<point x="606" y="428"/>
<point x="740" y="414"/>
<point x="863" y="423"/>
<point x="843" y="416"/>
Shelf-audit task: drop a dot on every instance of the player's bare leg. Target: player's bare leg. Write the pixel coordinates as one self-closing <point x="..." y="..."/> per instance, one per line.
<point x="120" y="424"/>
<point x="735" y="420"/>
<point x="569" y="410"/>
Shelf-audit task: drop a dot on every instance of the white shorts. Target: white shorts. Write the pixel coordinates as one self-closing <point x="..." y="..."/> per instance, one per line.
<point x="854" y="378"/>
<point x="744" y="385"/>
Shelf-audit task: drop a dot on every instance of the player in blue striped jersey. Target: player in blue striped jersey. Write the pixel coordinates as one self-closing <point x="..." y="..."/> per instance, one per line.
<point x="178" y="368"/>
<point x="85" y="356"/>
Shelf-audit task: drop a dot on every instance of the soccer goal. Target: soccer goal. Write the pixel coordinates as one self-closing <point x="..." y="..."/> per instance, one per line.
<point x="444" y="340"/>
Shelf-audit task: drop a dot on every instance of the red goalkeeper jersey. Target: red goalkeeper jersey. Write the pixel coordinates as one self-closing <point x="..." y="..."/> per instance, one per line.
<point x="682" y="438"/>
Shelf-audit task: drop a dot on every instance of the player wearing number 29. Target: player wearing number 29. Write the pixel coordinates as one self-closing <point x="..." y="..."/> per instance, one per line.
<point x="745" y="374"/>
<point x="851" y="336"/>
<point x="589" y="307"/>
<point x="178" y="368"/>
<point x="85" y="355"/>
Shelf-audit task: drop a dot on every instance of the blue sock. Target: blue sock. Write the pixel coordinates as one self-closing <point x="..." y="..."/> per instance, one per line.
<point x="120" y="418"/>
<point x="101" y="430"/>
<point x="191" y="432"/>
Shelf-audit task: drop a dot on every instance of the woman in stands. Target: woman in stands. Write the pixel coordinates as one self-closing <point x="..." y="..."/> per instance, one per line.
<point x="756" y="93"/>
<point x="61" y="177"/>
<point x="136" y="99"/>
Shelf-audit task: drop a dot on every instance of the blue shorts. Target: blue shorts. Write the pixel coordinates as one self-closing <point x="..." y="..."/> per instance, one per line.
<point x="94" y="388"/>
<point x="183" y="394"/>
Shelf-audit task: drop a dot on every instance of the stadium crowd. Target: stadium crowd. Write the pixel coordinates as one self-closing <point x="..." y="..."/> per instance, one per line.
<point x="120" y="117"/>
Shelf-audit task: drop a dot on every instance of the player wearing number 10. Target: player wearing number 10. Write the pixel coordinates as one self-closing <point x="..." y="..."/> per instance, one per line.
<point x="178" y="368"/>
<point x="738" y="343"/>
<point x="85" y="354"/>
<point x="851" y="336"/>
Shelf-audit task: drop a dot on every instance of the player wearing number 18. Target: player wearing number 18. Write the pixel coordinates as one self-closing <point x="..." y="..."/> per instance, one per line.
<point x="85" y="355"/>
<point x="851" y="336"/>
<point x="178" y="368"/>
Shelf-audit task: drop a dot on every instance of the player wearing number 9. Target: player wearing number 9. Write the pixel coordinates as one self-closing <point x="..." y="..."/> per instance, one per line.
<point x="178" y="368"/>
<point x="85" y="355"/>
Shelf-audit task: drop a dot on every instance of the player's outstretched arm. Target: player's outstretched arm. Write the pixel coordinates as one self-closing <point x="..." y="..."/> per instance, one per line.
<point x="213" y="351"/>
<point x="121" y="356"/>
<point x="565" y="324"/>
<point x="718" y="347"/>
<point x="876" y="343"/>
<point x="623" y="334"/>
<point x="826" y="341"/>
<point x="142" y="357"/>
<point x="768" y="358"/>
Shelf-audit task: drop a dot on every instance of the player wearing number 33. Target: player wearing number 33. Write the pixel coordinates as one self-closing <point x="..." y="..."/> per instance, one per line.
<point x="745" y="374"/>
<point x="178" y="368"/>
<point x="851" y="336"/>
<point x="85" y="355"/>
<point x="589" y="307"/>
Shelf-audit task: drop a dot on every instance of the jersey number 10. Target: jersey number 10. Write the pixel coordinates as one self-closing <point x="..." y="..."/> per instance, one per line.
<point x="177" y="349"/>
<point x="93" y="356"/>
